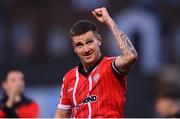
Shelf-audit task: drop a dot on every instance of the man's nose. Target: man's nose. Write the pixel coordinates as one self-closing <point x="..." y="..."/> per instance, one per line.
<point x="86" y="49"/>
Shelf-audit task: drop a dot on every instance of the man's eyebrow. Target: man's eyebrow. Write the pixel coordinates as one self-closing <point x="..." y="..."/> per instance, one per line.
<point x="78" y="43"/>
<point x="89" y="39"/>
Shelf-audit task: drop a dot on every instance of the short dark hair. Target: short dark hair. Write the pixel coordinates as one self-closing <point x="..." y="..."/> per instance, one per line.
<point x="83" y="26"/>
<point x="5" y="74"/>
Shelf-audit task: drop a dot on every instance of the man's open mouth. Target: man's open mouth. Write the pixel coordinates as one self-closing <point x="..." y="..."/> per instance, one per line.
<point x="88" y="55"/>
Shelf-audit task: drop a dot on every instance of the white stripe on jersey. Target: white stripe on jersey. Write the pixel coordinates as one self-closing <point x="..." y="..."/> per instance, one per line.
<point x="89" y="107"/>
<point x="75" y="86"/>
<point x="61" y="106"/>
<point x="98" y="99"/>
<point x="90" y="88"/>
<point x="90" y="84"/>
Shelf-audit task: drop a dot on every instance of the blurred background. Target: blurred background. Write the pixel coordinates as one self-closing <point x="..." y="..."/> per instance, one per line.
<point x="34" y="36"/>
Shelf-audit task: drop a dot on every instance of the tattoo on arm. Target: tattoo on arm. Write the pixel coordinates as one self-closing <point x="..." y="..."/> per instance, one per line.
<point x="123" y="41"/>
<point x="128" y="44"/>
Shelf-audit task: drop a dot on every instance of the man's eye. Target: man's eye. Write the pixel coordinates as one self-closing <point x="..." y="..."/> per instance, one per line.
<point x="89" y="42"/>
<point x="79" y="45"/>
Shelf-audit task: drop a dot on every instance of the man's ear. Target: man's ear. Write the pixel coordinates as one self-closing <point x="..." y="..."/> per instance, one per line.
<point x="73" y="47"/>
<point x="4" y="85"/>
<point x="75" y="50"/>
<point x="99" y="39"/>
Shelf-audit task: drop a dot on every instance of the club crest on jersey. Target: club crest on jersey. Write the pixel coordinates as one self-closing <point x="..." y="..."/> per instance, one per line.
<point x="90" y="99"/>
<point x="96" y="77"/>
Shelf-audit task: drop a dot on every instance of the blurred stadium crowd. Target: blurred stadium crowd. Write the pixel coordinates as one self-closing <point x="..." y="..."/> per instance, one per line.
<point x="34" y="36"/>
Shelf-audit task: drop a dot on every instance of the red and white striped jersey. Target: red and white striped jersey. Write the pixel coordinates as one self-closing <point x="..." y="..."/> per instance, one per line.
<point x="101" y="92"/>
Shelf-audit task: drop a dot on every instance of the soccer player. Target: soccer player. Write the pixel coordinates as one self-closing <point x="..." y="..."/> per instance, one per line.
<point x="14" y="104"/>
<point x="97" y="87"/>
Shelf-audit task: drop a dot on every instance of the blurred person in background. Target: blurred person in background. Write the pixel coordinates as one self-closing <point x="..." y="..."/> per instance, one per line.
<point x="14" y="103"/>
<point x="168" y="92"/>
<point x="97" y="87"/>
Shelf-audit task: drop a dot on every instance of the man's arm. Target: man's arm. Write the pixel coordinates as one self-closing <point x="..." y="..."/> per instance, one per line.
<point x="129" y="55"/>
<point x="64" y="105"/>
<point x="62" y="113"/>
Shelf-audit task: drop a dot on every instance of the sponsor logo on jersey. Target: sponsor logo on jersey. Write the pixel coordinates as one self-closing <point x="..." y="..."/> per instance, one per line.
<point x="92" y="98"/>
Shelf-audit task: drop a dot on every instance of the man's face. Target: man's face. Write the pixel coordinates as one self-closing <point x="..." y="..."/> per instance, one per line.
<point x="166" y="106"/>
<point x="87" y="47"/>
<point x="14" y="82"/>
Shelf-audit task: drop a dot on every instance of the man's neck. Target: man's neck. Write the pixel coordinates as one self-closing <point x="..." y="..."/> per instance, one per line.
<point x="18" y="98"/>
<point x="86" y="67"/>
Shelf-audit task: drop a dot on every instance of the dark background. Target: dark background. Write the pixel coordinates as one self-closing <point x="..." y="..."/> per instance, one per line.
<point x="34" y="36"/>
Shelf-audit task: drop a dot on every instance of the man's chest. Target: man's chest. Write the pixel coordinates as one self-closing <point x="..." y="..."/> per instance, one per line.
<point x="83" y="89"/>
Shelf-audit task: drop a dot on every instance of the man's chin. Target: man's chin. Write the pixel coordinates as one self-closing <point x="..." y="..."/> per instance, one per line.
<point x="89" y="61"/>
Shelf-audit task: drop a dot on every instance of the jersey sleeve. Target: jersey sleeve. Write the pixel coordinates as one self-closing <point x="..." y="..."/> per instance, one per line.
<point x="29" y="111"/>
<point x="114" y="68"/>
<point x="2" y="113"/>
<point x="64" y="102"/>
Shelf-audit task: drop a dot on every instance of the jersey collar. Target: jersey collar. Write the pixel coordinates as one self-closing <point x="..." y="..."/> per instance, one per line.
<point x="81" y="69"/>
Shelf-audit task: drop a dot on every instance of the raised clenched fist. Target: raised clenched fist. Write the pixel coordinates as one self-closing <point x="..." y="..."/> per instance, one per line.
<point x="101" y="14"/>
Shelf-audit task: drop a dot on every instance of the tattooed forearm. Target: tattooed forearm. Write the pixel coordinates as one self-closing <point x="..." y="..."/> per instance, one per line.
<point x="123" y="41"/>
